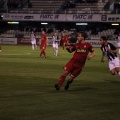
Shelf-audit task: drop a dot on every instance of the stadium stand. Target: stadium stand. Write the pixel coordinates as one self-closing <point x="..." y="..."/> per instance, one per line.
<point x="57" y="6"/>
<point x="87" y="7"/>
<point x="53" y="7"/>
<point x="3" y="5"/>
<point x="40" y="6"/>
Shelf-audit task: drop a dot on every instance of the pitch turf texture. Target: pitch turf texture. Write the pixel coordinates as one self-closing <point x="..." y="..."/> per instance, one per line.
<point x="27" y="87"/>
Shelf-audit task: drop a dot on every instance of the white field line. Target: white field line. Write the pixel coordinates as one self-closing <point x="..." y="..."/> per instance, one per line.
<point x="17" y="54"/>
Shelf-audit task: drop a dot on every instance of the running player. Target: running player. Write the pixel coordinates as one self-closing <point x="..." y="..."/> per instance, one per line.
<point x="75" y="65"/>
<point x="63" y="40"/>
<point x="55" y="43"/>
<point x="43" y="44"/>
<point x="110" y="51"/>
<point x="119" y="43"/>
<point x="33" y="40"/>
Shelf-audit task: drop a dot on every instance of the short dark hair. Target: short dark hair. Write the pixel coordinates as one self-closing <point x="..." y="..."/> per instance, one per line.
<point x="104" y="38"/>
<point x="83" y="34"/>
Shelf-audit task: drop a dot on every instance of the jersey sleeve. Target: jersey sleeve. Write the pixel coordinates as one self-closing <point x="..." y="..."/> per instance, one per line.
<point x="91" y="48"/>
<point x="112" y="47"/>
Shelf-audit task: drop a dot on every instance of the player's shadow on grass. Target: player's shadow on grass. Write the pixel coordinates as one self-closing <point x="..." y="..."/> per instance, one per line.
<point x="85" y="88"/>
<point x="113" y="81"/>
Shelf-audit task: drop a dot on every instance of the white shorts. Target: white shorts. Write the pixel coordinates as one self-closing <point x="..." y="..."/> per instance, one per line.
<point x="118" y="44"/>
<point x="33" y="42"/>
<point x="114" y="63"/>
<point x="55" y="45"/>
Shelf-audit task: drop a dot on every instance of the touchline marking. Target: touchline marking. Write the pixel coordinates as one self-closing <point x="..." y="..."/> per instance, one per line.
<point x="17" y="54"/>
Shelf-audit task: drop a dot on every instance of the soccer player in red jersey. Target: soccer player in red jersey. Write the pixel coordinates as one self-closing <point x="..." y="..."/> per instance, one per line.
<point x="68" y="37"/>
<point x="63" y="40"/>
<point x="43" y="44"/>
<point x="77" y="62"/>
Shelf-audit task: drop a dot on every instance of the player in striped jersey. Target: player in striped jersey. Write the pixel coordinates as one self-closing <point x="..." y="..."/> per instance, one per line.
<point x="110" y="51"/>
<point x="55" y="43"/>
<point x="119" y="43"/>
<point x="33" y="40"/>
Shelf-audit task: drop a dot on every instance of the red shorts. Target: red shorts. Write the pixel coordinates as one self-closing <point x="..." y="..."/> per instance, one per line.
<point x="64" y="42"/>
<point x="74" y="68"/>
<point x="42" y="47"/>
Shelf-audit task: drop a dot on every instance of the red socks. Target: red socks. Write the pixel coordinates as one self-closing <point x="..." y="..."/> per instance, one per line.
<point x="43" y="53"/>
<point x="61" y="80"/>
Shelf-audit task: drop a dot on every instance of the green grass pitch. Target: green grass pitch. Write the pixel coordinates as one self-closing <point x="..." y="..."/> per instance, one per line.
<point x="27" y="87"/>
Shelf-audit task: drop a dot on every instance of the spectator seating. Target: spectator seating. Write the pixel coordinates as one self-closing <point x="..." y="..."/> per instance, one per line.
<point x="58" y="6"/>
<point x="84" y="7"/>
<point x="109" y="33"/>
<point x="41" y="6"/>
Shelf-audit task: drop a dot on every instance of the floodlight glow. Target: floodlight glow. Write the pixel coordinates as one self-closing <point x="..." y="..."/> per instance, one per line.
<point x="115" y="24"/>
<point x="81" y="23"/>
<point x="44" y="23"/>
<point x="13" y="22"/>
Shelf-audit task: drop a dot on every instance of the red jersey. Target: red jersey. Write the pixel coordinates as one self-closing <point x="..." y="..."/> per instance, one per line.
<point x="68" y="38"/>
<point x="81" y="52"/>
<point x="63" y="39"/>
<point x="43" y="39"/>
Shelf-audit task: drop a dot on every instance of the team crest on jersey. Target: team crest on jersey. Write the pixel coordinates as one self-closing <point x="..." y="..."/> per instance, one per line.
<point x="84" y="46"/>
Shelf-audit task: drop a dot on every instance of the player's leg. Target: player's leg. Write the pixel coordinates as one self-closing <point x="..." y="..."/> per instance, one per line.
<point x="117" y="70"/>
<point x="119" y="50"/>
<point x="0" y="49"/>
<point x="44" y="53"/>
<point x="41" y="53"/>
<point x="73" y="75"/>
<point x="43" y="50"/>
<point x="112" y="67"/>
<point x="32" y="46"/>
<point x="69" y="81"/>
<point x="35" y="45"/>
<point x="61" y="80"/>
<point x="32" y="42"/>
<point x="117" y="65"/>
<point x="56" y="50"/>
<point x="53" y="45"/>
<point x="63" y="45"/>
<point x="68" y="67"/>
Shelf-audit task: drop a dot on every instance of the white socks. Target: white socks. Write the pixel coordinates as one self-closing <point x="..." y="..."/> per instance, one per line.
<point x="56" y="52"/>
<point x="32" y="47"/>
<point x="119" y="51"/>
<point x="36" y="46"/>
<point x="119" y="73"/>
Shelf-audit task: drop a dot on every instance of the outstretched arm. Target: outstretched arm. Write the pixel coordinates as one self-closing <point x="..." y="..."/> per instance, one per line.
<point x="103" y="55"/>
<point x="69" y="48"/>
<point x="91" y="55"/>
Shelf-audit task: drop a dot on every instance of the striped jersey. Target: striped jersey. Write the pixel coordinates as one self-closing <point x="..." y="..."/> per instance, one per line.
<point x="119" y="39"/>
<point x="33" y="37"/>
<point x="109" y="54"/>
<point x="55" y="39"/>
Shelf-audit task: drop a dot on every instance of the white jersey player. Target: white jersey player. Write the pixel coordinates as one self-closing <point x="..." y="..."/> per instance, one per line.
<point x="33" y="40"/>
<point x="55" y="43"/>
<point x="119" y="43"/>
